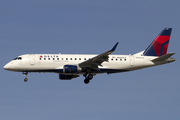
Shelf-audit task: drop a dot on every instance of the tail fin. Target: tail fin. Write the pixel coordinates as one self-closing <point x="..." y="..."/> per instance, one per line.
<point x="160" y="44"/>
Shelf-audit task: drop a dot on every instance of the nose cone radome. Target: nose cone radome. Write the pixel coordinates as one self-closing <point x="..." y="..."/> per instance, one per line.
<point x="7" y="67"/>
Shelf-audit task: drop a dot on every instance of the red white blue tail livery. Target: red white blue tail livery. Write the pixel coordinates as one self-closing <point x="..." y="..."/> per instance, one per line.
<point x="160" y="44"/>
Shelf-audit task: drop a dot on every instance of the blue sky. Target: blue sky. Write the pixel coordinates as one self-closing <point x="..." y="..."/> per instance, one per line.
<point x="88" y="27"/>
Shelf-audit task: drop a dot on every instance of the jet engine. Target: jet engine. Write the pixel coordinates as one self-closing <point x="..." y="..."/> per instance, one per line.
<point x="71" y="69"/>
<point x="67" y="77"/>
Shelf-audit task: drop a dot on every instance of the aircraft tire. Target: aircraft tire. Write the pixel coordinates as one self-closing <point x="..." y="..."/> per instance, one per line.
<point x="25" y="79"/>
<point x="86" y="81"/>
<point x="90" y="76"/>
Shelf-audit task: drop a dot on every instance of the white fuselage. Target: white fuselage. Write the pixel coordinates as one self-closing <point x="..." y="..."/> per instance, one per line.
<point x="56" y="62"/>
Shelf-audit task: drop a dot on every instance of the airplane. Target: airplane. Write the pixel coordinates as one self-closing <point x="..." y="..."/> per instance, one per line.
<point x="70" y="66"/>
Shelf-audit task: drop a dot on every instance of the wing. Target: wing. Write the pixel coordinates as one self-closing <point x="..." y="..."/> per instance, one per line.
<point x="96" y="61"/>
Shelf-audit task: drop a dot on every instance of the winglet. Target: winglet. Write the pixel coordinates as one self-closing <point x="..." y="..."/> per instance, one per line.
<point x="113" y="49"/>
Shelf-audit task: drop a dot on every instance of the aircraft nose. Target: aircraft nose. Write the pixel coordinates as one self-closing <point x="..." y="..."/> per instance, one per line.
<point x="7" y="66"/>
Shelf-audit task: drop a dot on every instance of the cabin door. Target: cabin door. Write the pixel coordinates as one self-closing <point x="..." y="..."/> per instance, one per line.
<point x="32" y="59"/>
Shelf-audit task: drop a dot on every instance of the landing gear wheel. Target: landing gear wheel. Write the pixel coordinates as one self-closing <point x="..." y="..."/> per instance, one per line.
<point x="25" y="79"/>
<point x="26" y="74"/>
<point x="90" y="76"/>
<point x="86" y="81"/>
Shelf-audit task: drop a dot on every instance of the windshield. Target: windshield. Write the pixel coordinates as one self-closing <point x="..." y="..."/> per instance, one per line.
<point x="18" y="58"/>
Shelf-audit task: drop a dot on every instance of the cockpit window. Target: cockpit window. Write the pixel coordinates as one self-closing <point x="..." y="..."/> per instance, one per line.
<point x="18" y="58"/>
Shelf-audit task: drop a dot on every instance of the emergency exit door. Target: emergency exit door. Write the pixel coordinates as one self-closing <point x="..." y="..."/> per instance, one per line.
<point x="131" y="60"/>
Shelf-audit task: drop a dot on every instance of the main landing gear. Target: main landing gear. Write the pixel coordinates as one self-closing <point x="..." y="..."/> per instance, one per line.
<point x="26" y="74"/>
<point x="88" y="78"/>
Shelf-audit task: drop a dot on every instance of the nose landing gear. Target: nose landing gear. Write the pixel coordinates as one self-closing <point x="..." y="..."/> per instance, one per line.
<point x="26" y="74"/>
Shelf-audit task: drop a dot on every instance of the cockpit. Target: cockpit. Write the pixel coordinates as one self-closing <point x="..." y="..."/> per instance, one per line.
<point x="18" y="58"/>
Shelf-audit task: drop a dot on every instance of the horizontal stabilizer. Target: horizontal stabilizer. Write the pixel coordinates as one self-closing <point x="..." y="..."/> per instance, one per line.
<point x="164" y="57"/>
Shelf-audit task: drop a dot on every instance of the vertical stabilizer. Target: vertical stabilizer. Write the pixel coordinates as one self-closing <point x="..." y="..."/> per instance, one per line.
<point x="160" y="44"/>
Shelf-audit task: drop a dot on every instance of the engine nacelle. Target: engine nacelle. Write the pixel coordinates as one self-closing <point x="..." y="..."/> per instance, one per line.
<point x="67" y="77"/>
<point x="71" y="69"/>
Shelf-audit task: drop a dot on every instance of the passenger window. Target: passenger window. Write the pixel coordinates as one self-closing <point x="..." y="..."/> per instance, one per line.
<point x="66" y="58"/>
<point x="70" y="58"/>
<point x="53" y="58"/>
<point x="48" y="58"/>
<point x="39" y="58"/>
<point x="125" y="59"/>
<point x="75" y="59"/>
<point x="57" y="58"/>
<point x="79" y="58"/>
<point x="44" y="58"/>
<point x="84" y="58"/>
